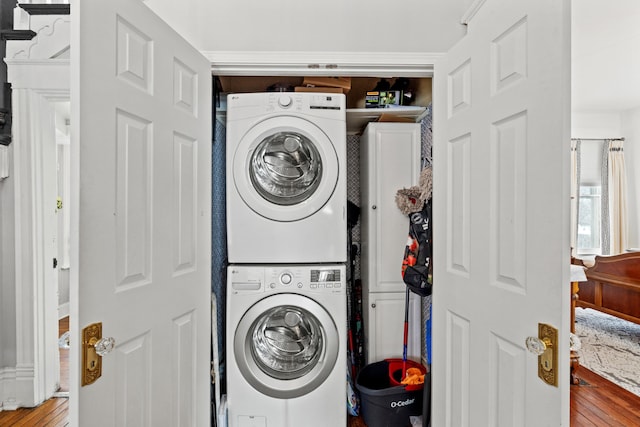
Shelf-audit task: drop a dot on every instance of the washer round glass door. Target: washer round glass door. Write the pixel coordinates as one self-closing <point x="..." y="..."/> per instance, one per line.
<point x="286" y="345"/>
<point x="285" y="168"/>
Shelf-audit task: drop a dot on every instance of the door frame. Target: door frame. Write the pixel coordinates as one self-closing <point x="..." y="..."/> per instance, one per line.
<point x="348" y="64"/>
<point x="37" y="373"/>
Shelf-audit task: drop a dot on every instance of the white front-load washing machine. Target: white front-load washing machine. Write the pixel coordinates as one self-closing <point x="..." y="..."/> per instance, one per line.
<point x="286" y="178"/>
<point x="286" y="352"/>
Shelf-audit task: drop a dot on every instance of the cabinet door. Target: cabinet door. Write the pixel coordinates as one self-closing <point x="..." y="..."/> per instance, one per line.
<point x="390" y="161"/>
<point x="384" y="317"/>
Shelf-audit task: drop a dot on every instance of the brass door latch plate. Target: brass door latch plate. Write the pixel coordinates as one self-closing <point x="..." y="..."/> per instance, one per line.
<point x="94" y="346"/>
<point x="91" y="362"/>
<point x="546" y="347"/>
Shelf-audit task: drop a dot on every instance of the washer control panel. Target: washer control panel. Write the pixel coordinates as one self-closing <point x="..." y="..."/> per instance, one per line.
<point x="314" y="278"/>
<point x="320" y="278"/>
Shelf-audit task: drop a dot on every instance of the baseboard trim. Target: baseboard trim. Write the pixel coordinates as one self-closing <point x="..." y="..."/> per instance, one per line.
<point x="16" y="388"/>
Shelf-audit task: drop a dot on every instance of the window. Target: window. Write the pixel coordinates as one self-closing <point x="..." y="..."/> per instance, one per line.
<point x="589" y="213"/>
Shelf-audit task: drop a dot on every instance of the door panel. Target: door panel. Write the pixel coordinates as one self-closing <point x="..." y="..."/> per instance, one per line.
<point x="501" y="203"/>
<point x="141" y="168"/>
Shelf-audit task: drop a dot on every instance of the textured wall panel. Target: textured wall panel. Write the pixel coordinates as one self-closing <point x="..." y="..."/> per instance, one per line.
<point x="134" y="198"/>
<point x="219" y="232"/>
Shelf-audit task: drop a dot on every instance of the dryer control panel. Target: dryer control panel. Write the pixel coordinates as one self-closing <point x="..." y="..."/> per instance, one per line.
<point x="328" y="105"/>
<point x="306" y="101"/>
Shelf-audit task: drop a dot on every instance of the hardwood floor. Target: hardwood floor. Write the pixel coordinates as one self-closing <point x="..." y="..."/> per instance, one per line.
<point x="595" y="403"/>
<point x="52" y="413"/>
<point x="602" y="403"/>
<point x="63" y="326"/>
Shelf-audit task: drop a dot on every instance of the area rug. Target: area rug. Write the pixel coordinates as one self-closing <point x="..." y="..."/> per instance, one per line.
<point x="610" y="347"/>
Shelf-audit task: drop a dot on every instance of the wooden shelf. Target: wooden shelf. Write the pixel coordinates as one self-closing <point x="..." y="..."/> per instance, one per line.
<point x="357" y="115"/>
<point x="357" y="118"/>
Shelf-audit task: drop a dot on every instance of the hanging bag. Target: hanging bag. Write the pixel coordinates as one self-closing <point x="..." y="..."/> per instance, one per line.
<point x="417" y="269"/>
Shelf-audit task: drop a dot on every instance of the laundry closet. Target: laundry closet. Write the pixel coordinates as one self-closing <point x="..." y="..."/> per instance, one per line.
<point x="500" y="279"/>
<point x="381" y="159"/>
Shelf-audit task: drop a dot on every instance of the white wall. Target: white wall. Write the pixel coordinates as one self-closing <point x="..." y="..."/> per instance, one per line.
<point x="596" y="125"/>
<point x="321" y="26"/>
<point x="7" y="272"/>
<point x="631" y="131"/>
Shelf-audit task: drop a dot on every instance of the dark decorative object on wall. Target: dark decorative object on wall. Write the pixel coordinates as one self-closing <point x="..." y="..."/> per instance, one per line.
<point x="46" y="8"/>
<point x="7" y="33"/>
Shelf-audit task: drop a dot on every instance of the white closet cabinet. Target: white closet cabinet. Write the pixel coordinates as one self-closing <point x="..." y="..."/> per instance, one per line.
<point x="389" y="161"/>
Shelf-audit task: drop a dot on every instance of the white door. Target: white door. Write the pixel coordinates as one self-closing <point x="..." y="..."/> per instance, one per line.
<point x="501" y="213"/>
<point x="141" y="159"/>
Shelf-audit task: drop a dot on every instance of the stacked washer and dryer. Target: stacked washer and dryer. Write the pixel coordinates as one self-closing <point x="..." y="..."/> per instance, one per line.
<point x="286" y="328"/>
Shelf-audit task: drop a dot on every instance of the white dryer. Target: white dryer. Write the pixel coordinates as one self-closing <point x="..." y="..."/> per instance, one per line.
<point x="286" y="346"/>
<point x="286" y="178"/>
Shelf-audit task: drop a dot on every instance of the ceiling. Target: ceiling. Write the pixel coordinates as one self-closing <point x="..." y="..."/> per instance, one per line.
<point x="605" y="55"/>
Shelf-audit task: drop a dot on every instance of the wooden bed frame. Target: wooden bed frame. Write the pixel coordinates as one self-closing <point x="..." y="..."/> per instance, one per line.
<point x="613" y="286"/>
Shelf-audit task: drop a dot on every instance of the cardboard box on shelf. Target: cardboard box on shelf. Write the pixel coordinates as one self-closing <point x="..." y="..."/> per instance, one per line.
<point x="341" y="82"/>
<point x="318" y="89"/>
<point x="389" y="118"/>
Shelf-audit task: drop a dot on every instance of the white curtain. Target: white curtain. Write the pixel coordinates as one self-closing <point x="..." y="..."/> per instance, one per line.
<point x="617" y="183"/>
<point x="575" y="185"/>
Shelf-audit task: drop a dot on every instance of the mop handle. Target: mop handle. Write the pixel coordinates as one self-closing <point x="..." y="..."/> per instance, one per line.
<point x="352" y="354"/>
<point x="404" y="349"/>
<point x="406" y="334"/>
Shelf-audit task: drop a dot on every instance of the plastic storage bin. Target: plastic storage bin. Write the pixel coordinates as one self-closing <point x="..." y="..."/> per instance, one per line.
<point x="384" y="401"/>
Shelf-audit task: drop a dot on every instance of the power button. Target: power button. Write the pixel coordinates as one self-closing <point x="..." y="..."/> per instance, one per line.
<point x="285" y="278"/>
<point x="284" y="101"/>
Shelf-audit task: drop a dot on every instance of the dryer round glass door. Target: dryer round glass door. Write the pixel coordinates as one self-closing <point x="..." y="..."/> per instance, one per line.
<point x="285" y="168"/>
<point x="286" y="345"/>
